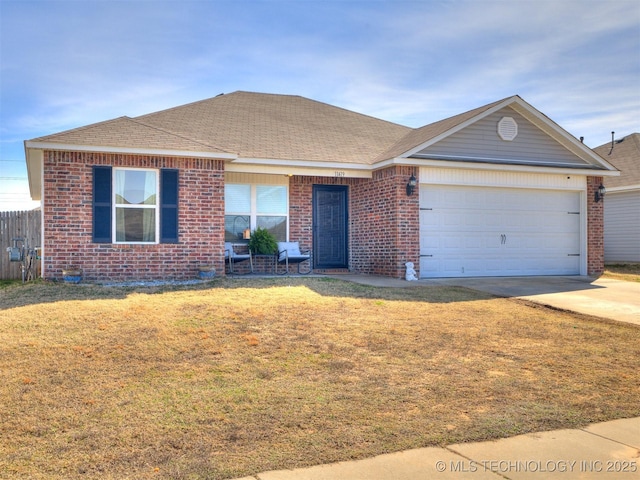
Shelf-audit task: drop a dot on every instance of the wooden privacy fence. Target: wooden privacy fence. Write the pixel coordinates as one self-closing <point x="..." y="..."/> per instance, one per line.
<point x="25" y="225"/>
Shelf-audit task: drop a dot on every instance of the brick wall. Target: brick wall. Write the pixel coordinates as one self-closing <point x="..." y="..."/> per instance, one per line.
<point x="386" y="224"/>
<point x="383" y="221"/>
<point x="595" y="228"/>
<point x="301" y="206"/>
<point x="67" y="212"/>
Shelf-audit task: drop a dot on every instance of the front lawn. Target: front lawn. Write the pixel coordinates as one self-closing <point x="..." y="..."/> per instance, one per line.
<point x="240" y="376"/>
<point x="623" y="271"/>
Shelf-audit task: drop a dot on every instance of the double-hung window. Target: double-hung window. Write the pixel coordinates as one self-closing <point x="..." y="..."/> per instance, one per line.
<point x="134" y="205"/>
<point x="256" y="206"/>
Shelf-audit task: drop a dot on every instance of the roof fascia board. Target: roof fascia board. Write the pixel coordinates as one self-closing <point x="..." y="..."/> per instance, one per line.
<point x="626" y="188"/>
<point x="459" y="127"/>
<point x="421" y="162"/>
<point x="127" y="150"/>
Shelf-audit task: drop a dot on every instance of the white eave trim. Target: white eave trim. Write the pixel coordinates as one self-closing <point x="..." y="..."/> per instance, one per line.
<point x="128" y="150"/>
<point x="424" y="162"/>
<point x="625" y="188"/>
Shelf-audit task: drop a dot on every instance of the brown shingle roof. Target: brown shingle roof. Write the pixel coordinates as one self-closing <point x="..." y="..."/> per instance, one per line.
<point x="625" y="157"/>
<point x="266" y="127"/>
<point x="285" y="127"/>
<point x="125" y="132"/>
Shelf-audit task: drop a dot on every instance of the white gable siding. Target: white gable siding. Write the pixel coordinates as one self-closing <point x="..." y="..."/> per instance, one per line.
<point x="622" y="227"/>
<point x="480" y="141"/>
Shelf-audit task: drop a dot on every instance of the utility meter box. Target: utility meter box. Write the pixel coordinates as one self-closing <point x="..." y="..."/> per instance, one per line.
<point x="15" y="254"/>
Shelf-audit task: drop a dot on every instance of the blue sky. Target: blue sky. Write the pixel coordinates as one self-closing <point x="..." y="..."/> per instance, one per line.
<point x="65" y="64"/>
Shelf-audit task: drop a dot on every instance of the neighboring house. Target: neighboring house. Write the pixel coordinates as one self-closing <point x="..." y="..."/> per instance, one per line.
<point x="501" y="190"/>
<point x="622" y="202"/>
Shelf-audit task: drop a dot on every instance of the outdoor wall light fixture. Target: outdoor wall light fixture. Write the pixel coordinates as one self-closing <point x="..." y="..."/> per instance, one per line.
<point x="600" y="193"/>
<point x="411" y="185"/>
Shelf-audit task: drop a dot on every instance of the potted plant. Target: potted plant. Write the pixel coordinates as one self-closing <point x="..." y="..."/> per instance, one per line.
<point x="206" y="272"/>
<point x="71" y="275"/>
<point x="262" y="242"/>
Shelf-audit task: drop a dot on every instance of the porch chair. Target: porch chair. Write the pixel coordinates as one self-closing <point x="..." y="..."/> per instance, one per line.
<point x="289" y="252"/>
<point x="231" y="257"/>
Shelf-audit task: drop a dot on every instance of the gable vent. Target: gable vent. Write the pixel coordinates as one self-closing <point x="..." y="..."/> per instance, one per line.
<point x="507" y="129"/>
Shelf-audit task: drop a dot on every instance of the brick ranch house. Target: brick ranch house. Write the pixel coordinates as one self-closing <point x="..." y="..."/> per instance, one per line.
<point x="500" y="190"/>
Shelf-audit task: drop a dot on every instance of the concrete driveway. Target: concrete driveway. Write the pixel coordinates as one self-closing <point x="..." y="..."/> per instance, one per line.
<point x="607" y="298"/>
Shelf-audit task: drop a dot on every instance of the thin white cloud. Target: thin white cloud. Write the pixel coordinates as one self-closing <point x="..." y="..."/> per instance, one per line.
<point x="65" y="64"/>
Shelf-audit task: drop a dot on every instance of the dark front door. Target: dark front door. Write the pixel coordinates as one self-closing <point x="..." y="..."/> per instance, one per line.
<point x="330" y="246"/>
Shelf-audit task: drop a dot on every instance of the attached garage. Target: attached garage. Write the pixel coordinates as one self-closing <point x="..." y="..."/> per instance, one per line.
<point x="500" y="190"/>
<point x="473" y="230"/>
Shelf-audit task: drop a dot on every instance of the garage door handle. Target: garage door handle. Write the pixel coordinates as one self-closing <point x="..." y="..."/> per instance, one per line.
<point x="503" y="239"/>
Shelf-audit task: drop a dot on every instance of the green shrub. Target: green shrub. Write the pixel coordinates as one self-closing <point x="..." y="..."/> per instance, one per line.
<point x="262" y="242"/>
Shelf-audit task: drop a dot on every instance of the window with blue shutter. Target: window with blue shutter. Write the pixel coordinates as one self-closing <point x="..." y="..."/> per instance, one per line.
<point x="169" y="206"/>
<point x="102" y="204"/>
<point x="134" y="205"/>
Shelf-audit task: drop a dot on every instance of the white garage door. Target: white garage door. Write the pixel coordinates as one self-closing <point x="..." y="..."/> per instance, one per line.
<point x="479" y="231"/>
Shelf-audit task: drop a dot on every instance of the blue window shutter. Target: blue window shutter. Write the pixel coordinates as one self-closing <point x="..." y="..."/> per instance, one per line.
<point x="168" y="205"/>
<point x="102" y="204"/>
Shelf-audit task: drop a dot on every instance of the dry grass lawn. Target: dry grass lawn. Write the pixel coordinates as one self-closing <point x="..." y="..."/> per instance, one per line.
<point x="623" y="271"/>
<point x="245" y="375"/>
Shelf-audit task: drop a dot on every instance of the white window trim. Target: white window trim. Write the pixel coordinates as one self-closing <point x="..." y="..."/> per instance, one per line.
<point x="253" y="215"/>
<point x="115" y="206"/>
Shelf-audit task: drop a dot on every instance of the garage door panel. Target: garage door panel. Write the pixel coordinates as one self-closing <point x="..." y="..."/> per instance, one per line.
<point x="475" y="231"/>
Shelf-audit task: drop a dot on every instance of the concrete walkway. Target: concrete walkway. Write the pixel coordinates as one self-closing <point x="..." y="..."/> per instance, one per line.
<point x="609" y="450"/>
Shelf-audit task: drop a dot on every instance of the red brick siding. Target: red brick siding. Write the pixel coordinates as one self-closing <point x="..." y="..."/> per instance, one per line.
<point x="383" y="221"/>
<point x="595" y="228"/>
<point x="301" y="206"/>
<point x="67" y="212"/>
<point x="386" y="224"/>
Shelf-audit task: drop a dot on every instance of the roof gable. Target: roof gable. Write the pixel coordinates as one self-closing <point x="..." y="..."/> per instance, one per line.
<point x="482" y="142"/>
<point x="625" y="156"/>
<point x="473" y="137"/>
<point x="416" y="138"/>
